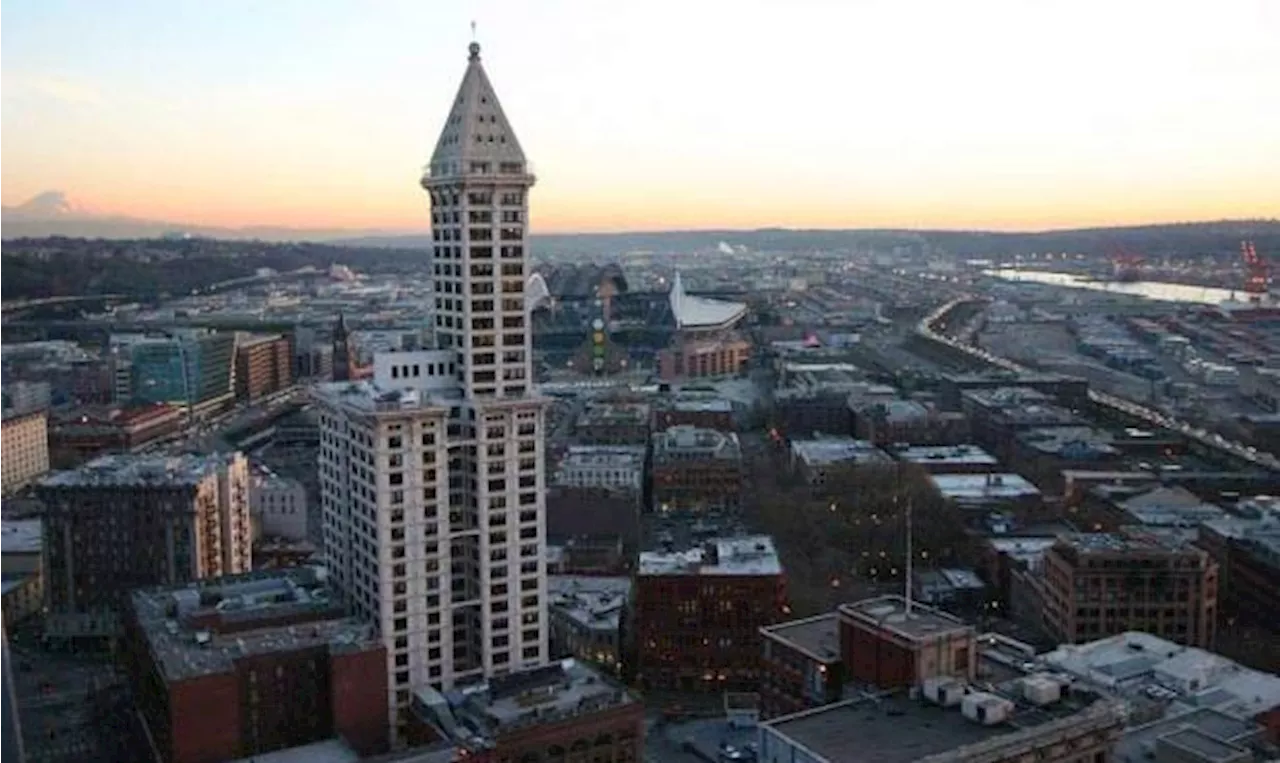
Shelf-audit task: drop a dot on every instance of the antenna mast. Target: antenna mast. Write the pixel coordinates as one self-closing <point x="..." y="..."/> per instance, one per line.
<point x="910" y="561"/>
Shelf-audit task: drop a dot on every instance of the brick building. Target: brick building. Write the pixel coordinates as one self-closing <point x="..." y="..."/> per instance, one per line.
<point x="124" y="522"/>
<point x="698" y="614"/>
<point x="802" y="665"/>
<point x="264" y="366"/>
<point x="1247" y="550"/>
<point x="1100" y="584"/>
<point x="249" y="664"/>
<point x="704" y="412"/>
<point x="562" y="711"/>
<point x="613" y="422"/>
<point x="86" y="433"/>
<point x="696" y="470"/>
<point x="890" y="643"/>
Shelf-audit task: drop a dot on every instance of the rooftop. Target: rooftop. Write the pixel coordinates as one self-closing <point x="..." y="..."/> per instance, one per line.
<point x="1139" y="664"/>
<point x="897" y="729"/>
<point x="699" y="404"/>
<point x="1171" y="507"/>
<point x="602" y="412"/>
<point x="619" y="456"/>
<point x="202" y="628"/>
<point x="744" y="555"/>
<point x="686" y="441"/>
<point x="1134" y="541"/>
<point x="592" y="601"/>
<point x="22" y="536"/>
<point x="979" y="488"/>
<point x="824" y="451"/>
<point x="818" y="636"/>
<point x="131" y="470"/>
<point x="367" y="397"/>
<point x="890" y="613"/>
<point x="478" y="716"/>
<point x="328" y="751"/>
<point x="947" y="454"/>
<point x="1077" y="443"/>
<point x="700" y="312"/>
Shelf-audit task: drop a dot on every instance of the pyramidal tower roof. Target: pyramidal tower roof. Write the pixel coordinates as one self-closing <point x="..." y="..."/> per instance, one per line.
<point x="476" y="129"/>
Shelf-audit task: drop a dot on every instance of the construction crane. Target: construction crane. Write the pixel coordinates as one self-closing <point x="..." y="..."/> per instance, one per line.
<point x="1257" y="275"/>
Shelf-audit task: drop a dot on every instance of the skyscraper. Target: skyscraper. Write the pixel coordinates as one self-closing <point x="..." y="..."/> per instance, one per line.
<point x="431" y="475"/>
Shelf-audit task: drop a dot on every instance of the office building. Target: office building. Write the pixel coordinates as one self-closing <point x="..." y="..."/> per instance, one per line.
<point x="21" y="568"/>
<point x="698" y="614"/>
<point x="83" y="434"/>
<point x="432" y="472"/>
<point x="248" y="664"/>
<point x="264" y="366"/>
<point x="586" y="618"/>
<point x="191" y="369"/>
<point x="24" y="453"/>
<point x="1100" y="584"/>
<point x="124" y="522"/>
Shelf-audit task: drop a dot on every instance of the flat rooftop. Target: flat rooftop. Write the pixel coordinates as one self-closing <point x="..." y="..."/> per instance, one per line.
<point x="825" y="451"/>
<point x="899" y="730"/>
<point x="367" y="397"/>
<point x="22" y="536"/>
<point x="690" y="404"/>
<point x="328" y="751"/>
<point x="690" y="442"/>
<point x="1135" y="541"/>
<point x="129" y="470"/>
<point x="600" y="412"/>
<point x="591" y="601"/>
<point x="744" y="555"/>
<point x="890" y="613"/>
<point x="620" y="456"/>
<point x="967" y="488"/>
<point x="951" y="455"/>
<point x="818" y="637"/>
<point x="1075" y="442"/>
<point x="202" y="628"/>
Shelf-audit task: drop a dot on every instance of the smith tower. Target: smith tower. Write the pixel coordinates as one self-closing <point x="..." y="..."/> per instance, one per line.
<point x="479" y="181"/>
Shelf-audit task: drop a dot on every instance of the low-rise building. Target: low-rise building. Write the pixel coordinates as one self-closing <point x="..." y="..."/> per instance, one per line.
<point x="812" y="460"/>
<point x="696" y="470"/>
<point x="586" y="617"/>
<point x="698" y="614"/>
<point x="248" y="664"/>
<point x="982" y="727"/>
<point x="891" y="643"/>
<point x="976" y="496"/>
<point x="84" y="434"/>
<point x="911" y="422"/>
<point x="1247" y="550"/>
<point x="21" y="568"/>
<point x="562" y="711"/>
<point x="949" y="459"/>
<point x="802" y="665"/>
<point x="685" y="409"/>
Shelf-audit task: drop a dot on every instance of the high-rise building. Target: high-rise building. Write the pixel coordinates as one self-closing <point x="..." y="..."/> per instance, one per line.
<point x="432" y="484"/>
<point x="24" y="453"/>
<point x="124" y="522"/>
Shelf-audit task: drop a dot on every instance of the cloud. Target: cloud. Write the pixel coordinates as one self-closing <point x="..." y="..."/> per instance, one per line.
<point x="52" y="87"/>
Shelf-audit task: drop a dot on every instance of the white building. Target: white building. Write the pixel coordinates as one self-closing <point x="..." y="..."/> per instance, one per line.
<point x="431" y="476"/>
<point x="606" y="466"/>
<point x="278" y="506"/>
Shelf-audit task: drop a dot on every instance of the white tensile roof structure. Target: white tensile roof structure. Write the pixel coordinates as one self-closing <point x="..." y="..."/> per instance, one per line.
<point x="702" y="313"/>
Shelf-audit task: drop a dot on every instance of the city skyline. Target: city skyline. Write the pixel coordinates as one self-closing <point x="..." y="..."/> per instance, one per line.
<point x="996" y="115"/>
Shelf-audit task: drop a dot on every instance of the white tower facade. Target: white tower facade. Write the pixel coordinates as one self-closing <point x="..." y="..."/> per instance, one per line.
<point x="432" y="482"/>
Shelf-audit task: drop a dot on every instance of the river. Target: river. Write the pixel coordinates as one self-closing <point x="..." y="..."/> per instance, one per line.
<point x="1158" y="290"/>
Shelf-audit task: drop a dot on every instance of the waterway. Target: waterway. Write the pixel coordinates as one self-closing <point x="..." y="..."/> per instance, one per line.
<point x="1157" y="290"/>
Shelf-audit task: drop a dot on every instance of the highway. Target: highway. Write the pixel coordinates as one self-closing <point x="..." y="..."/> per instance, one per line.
<point x="1141" y="412"/>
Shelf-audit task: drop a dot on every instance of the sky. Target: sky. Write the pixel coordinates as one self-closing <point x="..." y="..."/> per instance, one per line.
<point x="653" y="114"/>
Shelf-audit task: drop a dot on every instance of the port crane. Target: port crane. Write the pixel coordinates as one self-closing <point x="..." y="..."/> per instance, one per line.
<point x="1257" y="273"/>
<point x="1125" y="264"/>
